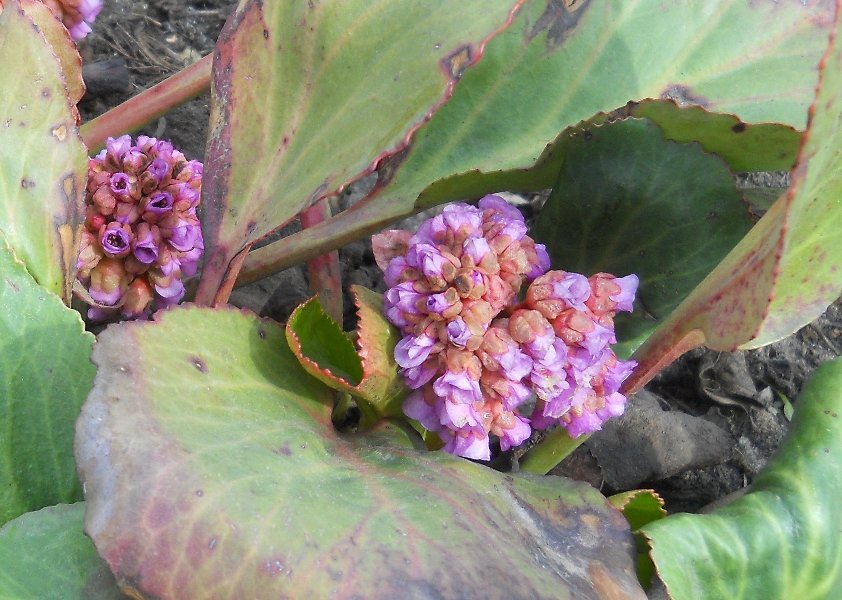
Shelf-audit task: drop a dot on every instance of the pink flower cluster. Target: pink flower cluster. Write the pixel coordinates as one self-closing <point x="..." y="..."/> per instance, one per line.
<point x="141" y="232"/>
<point x="77" y="15"/>
<point x="474" y="354"/>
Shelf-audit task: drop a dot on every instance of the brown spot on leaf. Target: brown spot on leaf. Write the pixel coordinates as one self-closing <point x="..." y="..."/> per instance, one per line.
<point x="200" y="493"/>
<point x="389" y="166"/>
<point x="261" y="333"/>
<point x="46" y="93"/>
<point x="605" y="585"/>
<point x="738" y="127"/>
<point x="559" y="20"/>
<point x="59" y="132"/>
<point x="591" y="522"/>
<point x="26" y="184"/>
<point x="683" y="96"/>
<point x="199" y="364"/>
<point x="12" y="285"/>
<point x="265" y="34"/>
<point x="457" y="61"/>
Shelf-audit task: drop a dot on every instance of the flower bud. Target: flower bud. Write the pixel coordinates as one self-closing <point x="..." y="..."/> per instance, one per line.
<point x="90" y="253"/>
<point x="116" y="239"/>
<point x="108" y="281"/>
<point x="138" y="298"/>
<point x="146" y="242"/>
<point x="104" y="200"/>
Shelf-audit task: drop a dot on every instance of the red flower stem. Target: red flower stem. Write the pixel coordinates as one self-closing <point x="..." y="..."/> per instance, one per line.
<point x="364" y="218"/>
<point x="324" y="272"/>
<point x="149" y="104"/>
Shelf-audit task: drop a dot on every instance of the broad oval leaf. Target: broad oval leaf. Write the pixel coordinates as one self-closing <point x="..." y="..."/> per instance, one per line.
<point x="310" y="95"/>
<point x="46" y="556"/>
<point x="628" y="201"/>
<point x="560" y="63"/>
<point x="569" y="61"/>
<point x="782" y="539"/>
<point x="45" y="375"/>
<point x="43" y="163"/>
<point x="788" y="269"/>
<point x="212" y="470"/>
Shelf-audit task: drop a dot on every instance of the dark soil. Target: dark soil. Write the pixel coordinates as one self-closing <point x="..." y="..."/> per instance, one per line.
<point x="703" y="430"/>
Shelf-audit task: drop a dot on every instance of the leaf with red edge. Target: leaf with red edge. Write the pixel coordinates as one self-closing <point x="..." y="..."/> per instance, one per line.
<point x="561" y="63"/>
<point x="788" y="269"/>
<point x="744" y="146"/>
<point x="308" y="96"/>
<point x="370" y="374"/>
<point x="63" y="46"/>
<point x="212" y="469"/>
<point x="43" y="163"/>
<point x="640" y="507"/>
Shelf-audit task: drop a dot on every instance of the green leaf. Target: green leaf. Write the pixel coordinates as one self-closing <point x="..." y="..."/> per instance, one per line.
<point x="211" y="466"/>
<point x="786" y="271"/>
<point x="310" y="95"/>
<point x="62" y="45"/>
<point x="45" y="374"/>
<point x="745" y="147"/>
<point x="322" y="347"/>
<point x="627" y="201"/>
<point x="781" y="539"/>
<point x="43" y="163"/>
<point x="369" y="374"/>
<point x="640" y="507"/>
<point x="46" y="556"/>
<point x="560" y="63"/>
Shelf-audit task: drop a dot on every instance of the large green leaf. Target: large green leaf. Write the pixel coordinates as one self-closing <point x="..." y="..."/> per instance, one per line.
<point x="212" y="470"/>
<point x="788" y="269"/>
<point x="43" y="163"/>
<point x="45" y="375"/>
<point x="563" y="62"/>
<point x="782" y="539"/>
<point x="627" y="201"/>
<point x="46" y="556"/>
<point x="309" y="95"/>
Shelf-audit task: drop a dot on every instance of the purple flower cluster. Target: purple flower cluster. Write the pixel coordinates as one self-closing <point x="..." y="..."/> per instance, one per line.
<point x="77" y="15"/>
<point x="474" y="355"/>
<point x="141" y="232"/>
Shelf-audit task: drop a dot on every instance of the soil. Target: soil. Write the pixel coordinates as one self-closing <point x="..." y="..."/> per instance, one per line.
<point x="703" y="429"/>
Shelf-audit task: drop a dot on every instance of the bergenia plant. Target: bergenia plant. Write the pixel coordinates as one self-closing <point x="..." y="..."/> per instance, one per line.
<point x="197" y="450"/>
<point x="473" y="354"/>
